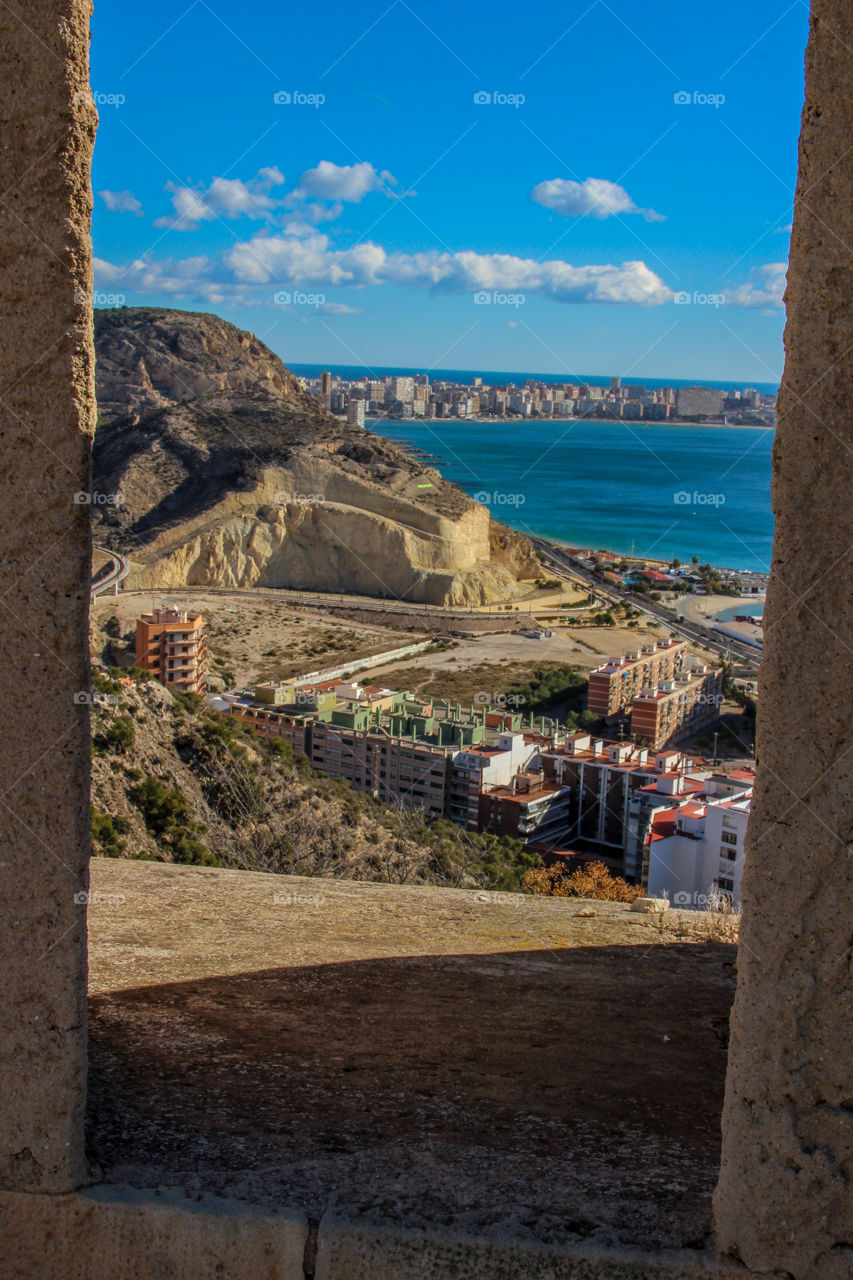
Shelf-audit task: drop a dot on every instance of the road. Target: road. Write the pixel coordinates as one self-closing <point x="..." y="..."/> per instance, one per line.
<point x="109" y="577"/>
<point x="726" y="647"/>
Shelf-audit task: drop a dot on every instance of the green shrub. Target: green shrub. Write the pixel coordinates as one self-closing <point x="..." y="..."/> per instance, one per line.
<point x="168" y="818"/>
<point x="187" y="701"/>
<point x="120" y="736"/>
<point x="106" y="832"/>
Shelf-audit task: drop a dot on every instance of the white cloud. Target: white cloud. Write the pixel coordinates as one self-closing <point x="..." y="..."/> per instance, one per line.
<point x="273" y="175"/>
<point x="593" y="198"/>
<point x="764" y="288"/>
<point x="224" y="198"/>
<point x="311" y="259"/>
<point x="121" y="202"/>
<point x="349" y="182"/>
<point x="150" y="276"/>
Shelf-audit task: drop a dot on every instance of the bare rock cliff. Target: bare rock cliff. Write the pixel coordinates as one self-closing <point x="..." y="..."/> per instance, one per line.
<point x="213" y="467"/>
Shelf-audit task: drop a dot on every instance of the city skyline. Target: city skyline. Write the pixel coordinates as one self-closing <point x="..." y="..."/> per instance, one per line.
<point x="609" y="187"/>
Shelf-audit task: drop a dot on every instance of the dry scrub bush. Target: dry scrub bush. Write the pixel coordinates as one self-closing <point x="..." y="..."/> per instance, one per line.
<point x="590" y="881"/>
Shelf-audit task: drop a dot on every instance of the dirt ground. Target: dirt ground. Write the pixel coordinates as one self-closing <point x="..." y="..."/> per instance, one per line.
<point x="255" y="636"/>
<point x="252" y="637"/>
<point x="493" y="664"/>
<point x="490" y="1062"/>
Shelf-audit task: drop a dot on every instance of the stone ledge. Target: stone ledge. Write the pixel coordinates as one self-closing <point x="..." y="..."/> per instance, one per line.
<point x="348" y="1250"/>
<point x="120" y="1233"/>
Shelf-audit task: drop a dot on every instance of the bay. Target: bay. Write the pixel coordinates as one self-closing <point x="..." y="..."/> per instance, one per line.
<point x="653" y="490"/>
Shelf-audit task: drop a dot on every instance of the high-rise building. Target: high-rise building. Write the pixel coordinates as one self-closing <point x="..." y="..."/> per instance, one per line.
<point x="355" y="412"/>
<point x="402" y="389"/>
<point x="678" y="706"/>
<point x="614" y="685"/>
<point x="170" y="644"/>
<point x="698" y="402"/>
<point x="325" y="383"/>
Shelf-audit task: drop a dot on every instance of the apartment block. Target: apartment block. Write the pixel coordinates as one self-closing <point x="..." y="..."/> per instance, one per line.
<point x="355" y="413"/>
<point x="695" y="850"/>
<point x="614" y="685"/>
<point x="271" y="722"/>
<point x="677" y="707"/>
<point x="170" y="644"/>
<point x="611" y="784"/>
<point x="528" y="809"/>
<point x="486" y="766"/>
<point x="393" y="768"/>
<point x="697" y="402"/>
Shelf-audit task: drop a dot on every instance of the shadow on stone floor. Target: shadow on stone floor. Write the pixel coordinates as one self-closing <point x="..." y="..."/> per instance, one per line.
<point x="557" y="1094"/>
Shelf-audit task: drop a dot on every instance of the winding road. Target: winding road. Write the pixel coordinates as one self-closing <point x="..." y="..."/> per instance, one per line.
<point x="109" y="576"/>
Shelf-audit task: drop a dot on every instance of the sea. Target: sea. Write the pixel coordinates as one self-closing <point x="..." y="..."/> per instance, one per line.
<point x="656" y="490"/>
<point x="647" y="489"/>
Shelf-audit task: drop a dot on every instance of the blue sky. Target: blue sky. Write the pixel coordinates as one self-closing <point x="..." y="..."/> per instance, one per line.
<point x="446" y="186"/>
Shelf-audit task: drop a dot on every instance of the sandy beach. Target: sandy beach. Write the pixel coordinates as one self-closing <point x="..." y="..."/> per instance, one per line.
<point x="703" y="609"/>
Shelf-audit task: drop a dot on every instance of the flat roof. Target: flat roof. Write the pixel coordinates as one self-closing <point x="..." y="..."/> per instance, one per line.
<point x="532" y="793"/>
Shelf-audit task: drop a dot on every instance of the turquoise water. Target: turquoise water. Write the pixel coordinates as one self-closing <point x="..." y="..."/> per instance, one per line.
<point x="741" y="610"/>
<point x="654" y="490"/>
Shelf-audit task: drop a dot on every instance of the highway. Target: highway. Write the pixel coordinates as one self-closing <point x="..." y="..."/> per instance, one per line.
<point x="109" y="577"/>
<point x="725" y="646"/>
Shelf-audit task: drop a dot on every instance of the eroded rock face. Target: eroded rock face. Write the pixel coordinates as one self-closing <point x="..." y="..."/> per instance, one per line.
<point x="215" y="468"/>
<point x="149" y="358"/>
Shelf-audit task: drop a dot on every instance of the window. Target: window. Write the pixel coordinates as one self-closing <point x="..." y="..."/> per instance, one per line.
<point x="729" y="837"/>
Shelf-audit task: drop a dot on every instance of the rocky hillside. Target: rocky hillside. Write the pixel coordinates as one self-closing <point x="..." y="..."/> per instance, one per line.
<point x="225" y="472"/>
<point x="174" y="782"/>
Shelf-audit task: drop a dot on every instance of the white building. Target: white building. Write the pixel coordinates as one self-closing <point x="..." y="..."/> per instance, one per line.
<point x="355" y="413"/>
<point x="481" y="767"/>
<point x="697" y="848"/>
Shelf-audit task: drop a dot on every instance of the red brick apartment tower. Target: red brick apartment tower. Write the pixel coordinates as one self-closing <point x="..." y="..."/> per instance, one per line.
<point x="170" y="644"/>
<point x="614" y="685"/>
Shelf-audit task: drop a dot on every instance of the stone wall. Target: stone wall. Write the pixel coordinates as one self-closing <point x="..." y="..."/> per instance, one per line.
<point x="784" y="1198"/>
<point x="47" y="126"/>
